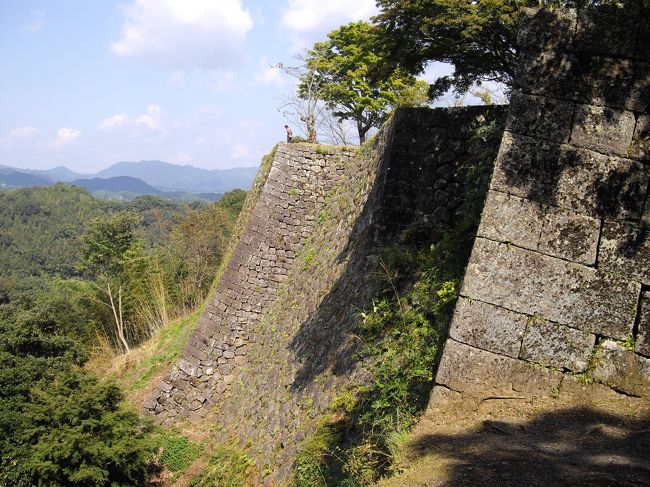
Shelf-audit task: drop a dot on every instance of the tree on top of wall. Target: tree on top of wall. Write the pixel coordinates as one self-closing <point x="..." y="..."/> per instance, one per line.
<point x="477" y="36"/>
<point x="351" y="76"/>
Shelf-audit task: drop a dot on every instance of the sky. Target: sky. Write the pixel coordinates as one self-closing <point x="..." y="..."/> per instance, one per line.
<point x="87" y="83"/>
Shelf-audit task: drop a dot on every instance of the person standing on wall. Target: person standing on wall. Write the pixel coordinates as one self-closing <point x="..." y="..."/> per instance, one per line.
<point x="289" y="133"/>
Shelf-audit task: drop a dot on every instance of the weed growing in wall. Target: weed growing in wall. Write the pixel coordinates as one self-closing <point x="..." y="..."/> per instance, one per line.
<point x="401" y="332"/>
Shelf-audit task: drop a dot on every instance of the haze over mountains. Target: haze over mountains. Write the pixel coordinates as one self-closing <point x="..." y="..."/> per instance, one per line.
<point x="125" y="180"/>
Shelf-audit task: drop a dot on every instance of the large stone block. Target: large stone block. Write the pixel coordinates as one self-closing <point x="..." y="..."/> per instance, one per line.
<point x="643" y="338"/>
<point x="621" y="368"/>
<point x="603" y="129"/>
<point x="569" y="235"/>
<point x="597" y="185"/>
<point x="526" y="167"/>
<point x="579" y="180"/>
<point x="476" y="372"/>
<point x="540" y="116"/>
<point x="509" y="218"/>
<point x="544" y="29"/>
<point x="556" y="345"/>
<point x="607" y="30"/>
<point x="625" y="250"/>
<point x="559" y="291"/>
<point x="585" y="78"/>
<point x="640" y="148"/>
<point x="488" y="327"/>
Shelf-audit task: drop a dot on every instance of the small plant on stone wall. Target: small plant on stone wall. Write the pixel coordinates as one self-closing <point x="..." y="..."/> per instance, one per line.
<point x="401" y="331"/>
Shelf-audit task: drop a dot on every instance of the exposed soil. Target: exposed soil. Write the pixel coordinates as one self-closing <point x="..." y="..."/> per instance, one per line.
<point x="587" y="436"/>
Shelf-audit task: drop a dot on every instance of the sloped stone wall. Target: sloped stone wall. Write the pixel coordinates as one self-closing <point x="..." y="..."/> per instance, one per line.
<point x="277" y="339"/>
<point x="559" y="278"/>
<point x="282" y="218"/>
<point x="306" y="342"/>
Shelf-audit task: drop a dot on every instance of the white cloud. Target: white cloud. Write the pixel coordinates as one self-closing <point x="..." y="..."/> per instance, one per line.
<point x="240" y="151"/>
<point x="177" y="79"/>
<point x="36" y="23"/>
<point x="184" y="33"/>
<point x="151" y="120"/>
<point x="311" y="20"/>
<point x="65" y="136"/>
<point x="269" y="74"/>
<point x="21" y="133"/>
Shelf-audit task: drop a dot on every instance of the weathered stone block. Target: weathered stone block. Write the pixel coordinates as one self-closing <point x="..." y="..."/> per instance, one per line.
<point x="620" y="368"/>
<point x="526" y="167"/>
<point x="625" y="250"/>
<point x="603" y="129"/>
<point x="607" y="30"/>
<point x="186" y="367"/>
<point x="509" y="218"/>
<point x="556" y="345"/>
<point x="568" y="235"/>
<point x="559" y="291"/>
<point x="488" y="327"/>
<point x="151" y="404"/>
<point x="543" y="29"/>
<point x="585" y="78"/>
<point x="540" y="116"/>
<point x="640" y="148"/>
<point x="643" y="339"/>
<point x="476" y="372"/>
<point x="597" y="185"/>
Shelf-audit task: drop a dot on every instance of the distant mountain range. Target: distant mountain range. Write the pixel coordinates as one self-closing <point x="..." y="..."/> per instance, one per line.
<point x="126" y="180"/>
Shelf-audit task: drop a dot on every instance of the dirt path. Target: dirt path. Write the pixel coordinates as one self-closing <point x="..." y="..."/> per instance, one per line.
<point x="587" y="436"/>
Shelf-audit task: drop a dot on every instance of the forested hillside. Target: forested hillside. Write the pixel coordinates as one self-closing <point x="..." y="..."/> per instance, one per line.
<point x="78" y="277"/>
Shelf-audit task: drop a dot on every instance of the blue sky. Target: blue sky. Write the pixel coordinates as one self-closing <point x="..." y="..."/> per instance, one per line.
<point x="87" y="83"/>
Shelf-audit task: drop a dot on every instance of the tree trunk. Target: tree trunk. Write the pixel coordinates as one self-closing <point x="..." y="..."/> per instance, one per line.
<point x="117" y="315"/>
<point x="362" y="132"/>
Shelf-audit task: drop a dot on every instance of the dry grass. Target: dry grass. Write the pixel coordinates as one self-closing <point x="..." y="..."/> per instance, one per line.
<point x="139" y="370"/>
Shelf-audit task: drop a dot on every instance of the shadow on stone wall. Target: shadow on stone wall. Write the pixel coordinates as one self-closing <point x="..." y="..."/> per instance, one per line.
<point x="327" y="339"/>
<point x="429" y="147"/>
<point x="578" y="122"/>
<point x="571" y="447"/>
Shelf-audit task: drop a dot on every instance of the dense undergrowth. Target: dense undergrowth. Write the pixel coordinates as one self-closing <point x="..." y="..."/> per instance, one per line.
<point x="65" y="423"/>
<point x="357" y="441"/>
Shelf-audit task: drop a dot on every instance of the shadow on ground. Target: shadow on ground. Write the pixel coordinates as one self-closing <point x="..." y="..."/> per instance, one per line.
<point x="578" y="446"/>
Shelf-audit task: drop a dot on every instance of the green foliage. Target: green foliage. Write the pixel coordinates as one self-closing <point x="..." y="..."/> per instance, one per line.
<point x="61" y="426"/>
<point x="352" y="77"/>
<point x="228" y="467"/>
<point x="38" y="227"/>
<point x="477" y="37"/>
<point x="178" y="452"/>
<point x="107" y="241"/>
<point x="401" y="335"/>
<point x="629" y="343"/>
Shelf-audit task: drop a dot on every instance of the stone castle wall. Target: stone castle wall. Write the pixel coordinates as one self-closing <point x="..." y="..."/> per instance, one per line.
<point x="306" y="345"/>
<point x="283" y="217"/>
<point x="276" y="341"/>
<point x="559" y="278"/>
